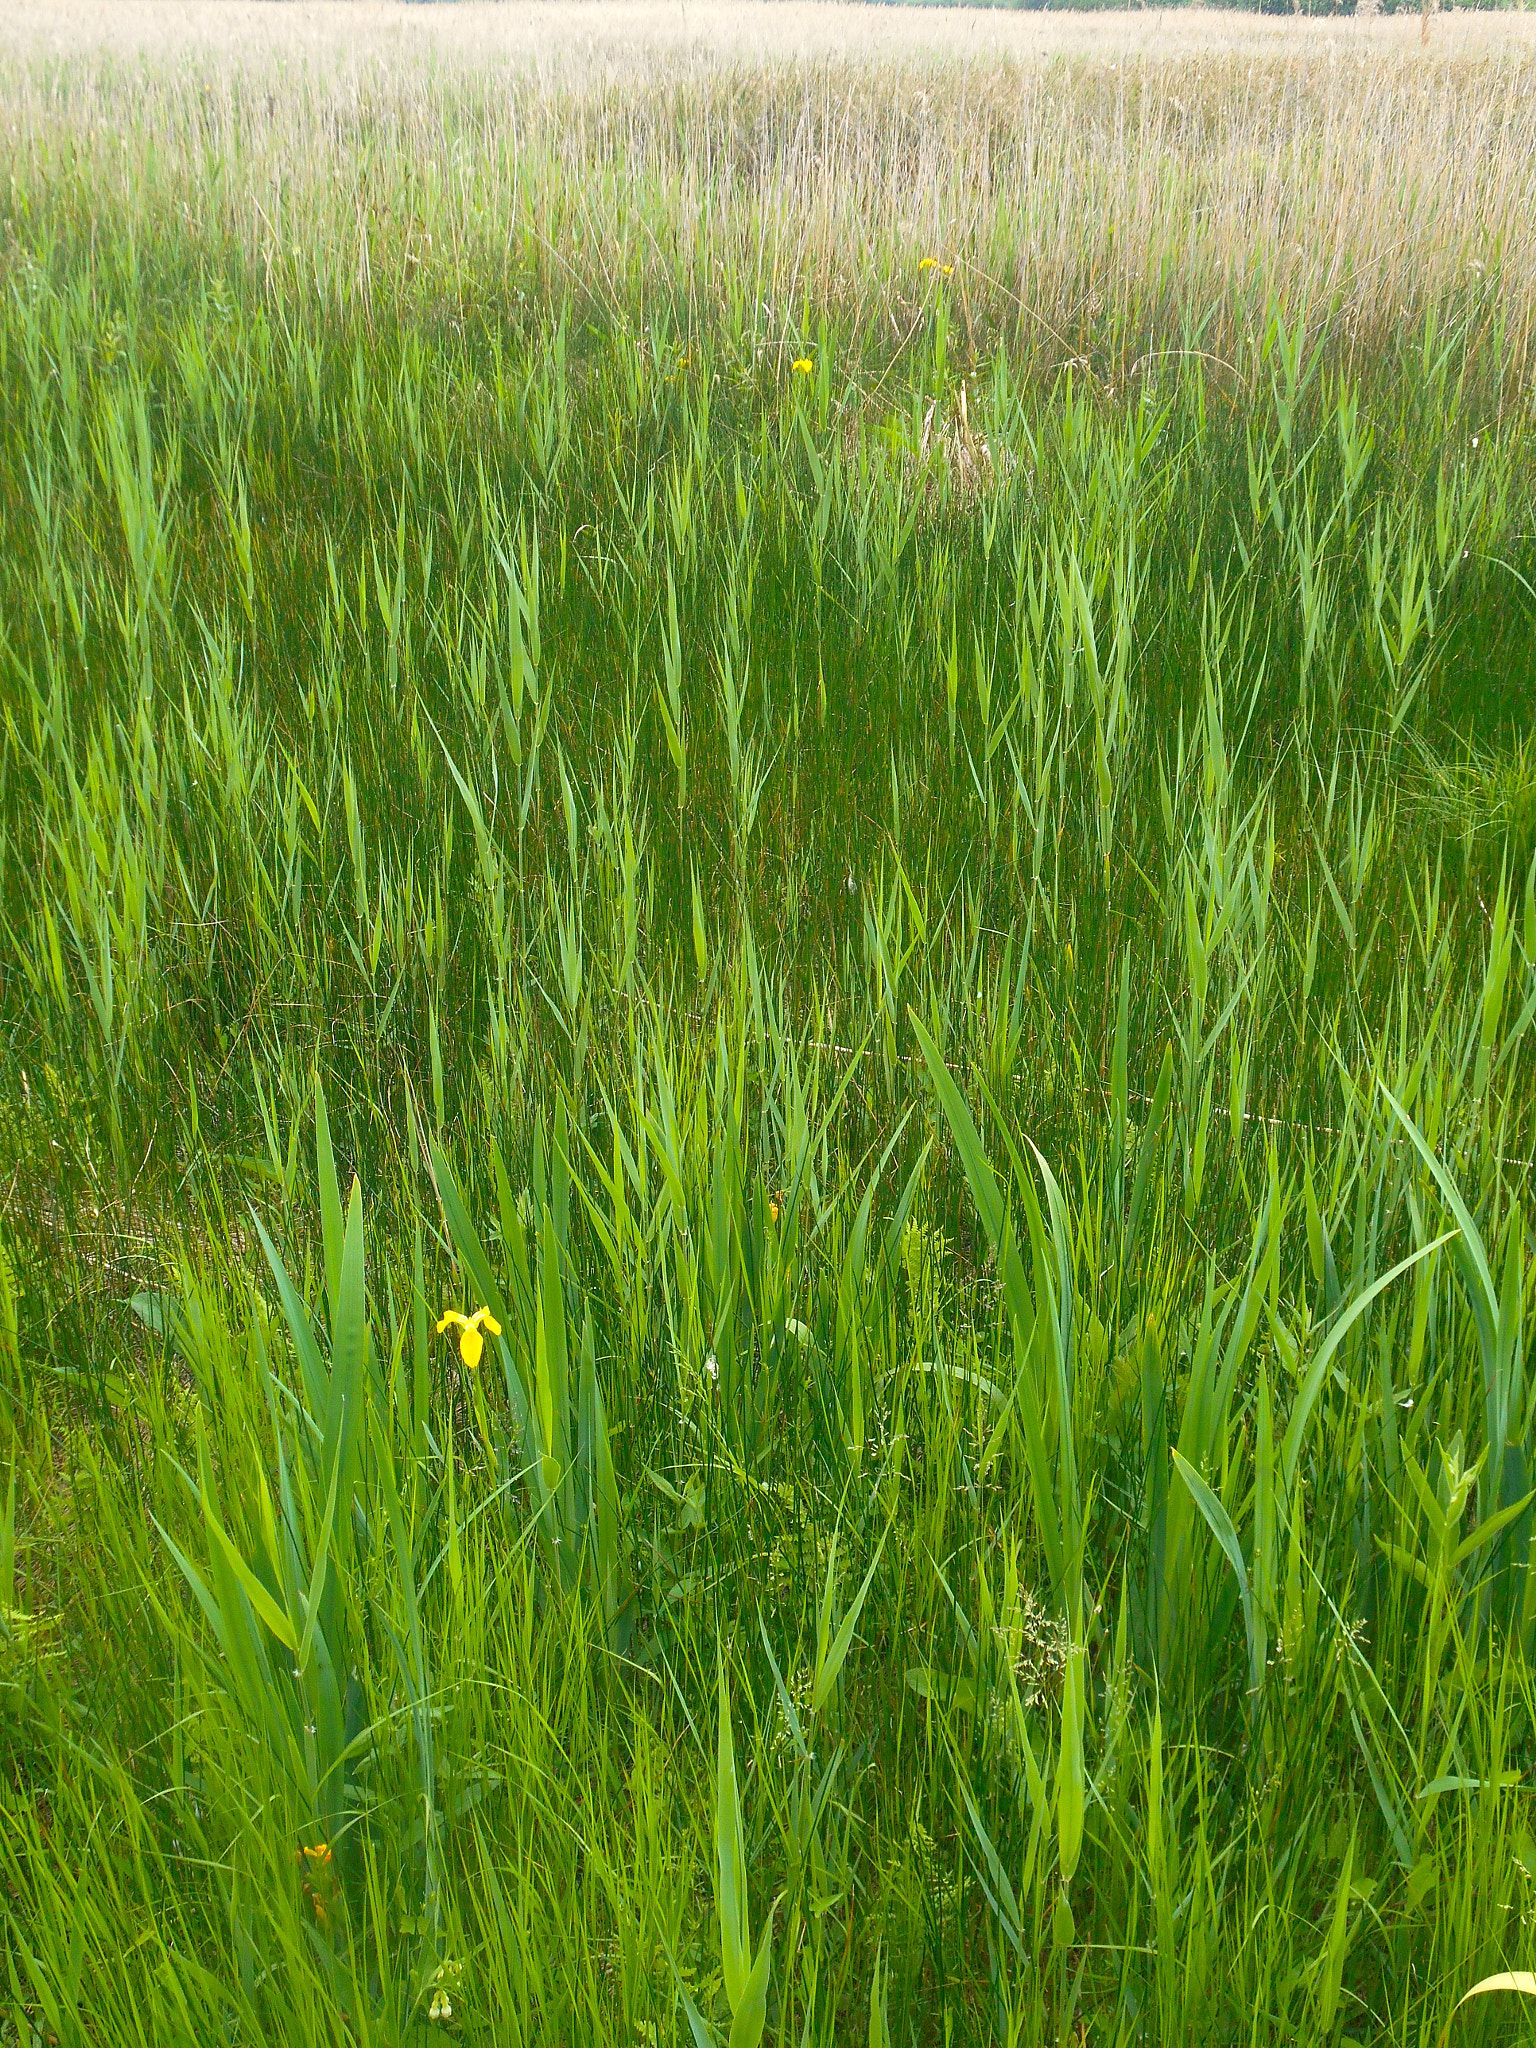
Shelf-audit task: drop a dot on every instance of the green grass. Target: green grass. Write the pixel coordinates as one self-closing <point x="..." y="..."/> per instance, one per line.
<point x="946" y="940"/>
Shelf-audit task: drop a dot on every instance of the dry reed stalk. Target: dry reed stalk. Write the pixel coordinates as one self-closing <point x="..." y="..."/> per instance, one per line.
<point x="1106" y="208"/>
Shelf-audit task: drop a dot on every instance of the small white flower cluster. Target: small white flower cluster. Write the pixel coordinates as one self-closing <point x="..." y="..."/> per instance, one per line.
<point x="1039" y="1651"/>
<point x="440" y="2011"/>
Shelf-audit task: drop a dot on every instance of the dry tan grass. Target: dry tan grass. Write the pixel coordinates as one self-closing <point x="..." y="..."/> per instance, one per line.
<point x="559" y="31"/>
<point x="1107" y="184"/>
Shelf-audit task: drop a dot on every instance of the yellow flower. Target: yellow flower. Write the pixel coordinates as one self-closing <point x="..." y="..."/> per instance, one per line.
<point x="802" y="366"/>
<point x="319" y="1874"/>
<point x="471" y="1343"/>
<point x="775" y="1208"/>
<point x="933" y="263"/>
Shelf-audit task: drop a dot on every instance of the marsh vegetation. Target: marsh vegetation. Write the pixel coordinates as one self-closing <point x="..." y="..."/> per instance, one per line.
<point x="844" y="750"/>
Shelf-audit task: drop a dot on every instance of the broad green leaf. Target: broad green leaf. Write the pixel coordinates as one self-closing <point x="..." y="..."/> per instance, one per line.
<point x="322" y="1560"/>
<point x="266" y="1607"/>
<point x="1000" y="1893"/>
<point x="330" y="1196"/>
<point x="1333" y="1954"/>
<point x="830" y="1662"/>
<point x="751" y="2015"/>
<point x="1071" y="1786"/>
<point x="1311" y="1387"/>
<point x="1222" y="1529"/>
<point x="1471" y="1256"/>
<point x="730" y="1859"/>
<point x="349" y="1360"/>
<point x="311" y="1364"/>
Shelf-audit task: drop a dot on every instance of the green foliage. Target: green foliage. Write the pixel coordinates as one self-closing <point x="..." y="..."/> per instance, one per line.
<point x="889" y="941"/>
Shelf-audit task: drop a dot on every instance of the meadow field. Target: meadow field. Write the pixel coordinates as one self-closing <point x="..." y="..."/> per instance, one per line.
<point x="767" y="978"/>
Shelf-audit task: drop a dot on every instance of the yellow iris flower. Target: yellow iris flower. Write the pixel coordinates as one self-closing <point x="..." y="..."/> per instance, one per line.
<point x="318" y="1873"/>
<point x="933" y="263"/>
<point x="803" y="366"/>
<point x="471" y="1343"/>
